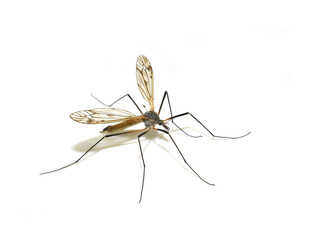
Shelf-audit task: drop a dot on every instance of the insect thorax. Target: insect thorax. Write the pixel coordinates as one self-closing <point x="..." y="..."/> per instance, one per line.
<point x="152" y="119"/>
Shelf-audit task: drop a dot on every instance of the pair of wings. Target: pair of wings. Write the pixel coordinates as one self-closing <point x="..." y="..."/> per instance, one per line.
<point x="145" y="82"/>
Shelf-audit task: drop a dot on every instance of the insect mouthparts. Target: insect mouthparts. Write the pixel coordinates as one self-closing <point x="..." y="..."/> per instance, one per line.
<point x="166" y="127"/>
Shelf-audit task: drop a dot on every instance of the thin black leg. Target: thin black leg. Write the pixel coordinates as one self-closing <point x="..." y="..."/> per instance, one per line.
<point x="106" y="136"/>
<point x="139" y="142"/>
<point x="160" y="108"/>
<point x="128" y="95"/>
<point x="170" y="109"/>
<point x="184" y="158"/>
<point x="183" y="114"/>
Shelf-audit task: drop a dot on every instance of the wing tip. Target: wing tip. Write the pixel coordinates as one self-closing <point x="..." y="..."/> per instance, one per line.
<point x="75" y="116"/>
<point x="142" y="60"/>
<point x="140" y="56"/>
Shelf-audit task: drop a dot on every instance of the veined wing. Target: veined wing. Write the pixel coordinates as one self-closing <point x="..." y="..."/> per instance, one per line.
<point x="145" y="80"/>
<point x="101" y="115"/>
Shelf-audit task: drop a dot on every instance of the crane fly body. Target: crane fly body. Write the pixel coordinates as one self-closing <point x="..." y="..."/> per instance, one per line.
<point x="120" y="119"/>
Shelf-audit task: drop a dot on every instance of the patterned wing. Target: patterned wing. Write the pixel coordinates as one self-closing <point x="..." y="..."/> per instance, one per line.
<point x="101" y="115"/>
<point x="145" y="80"/>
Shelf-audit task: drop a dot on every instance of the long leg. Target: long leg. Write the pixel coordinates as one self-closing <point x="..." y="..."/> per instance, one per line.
<point x="170" y="109"/>
<point x="128" y="95"/>
<point x="183" y="114"/>
<point x="106" y="136"/>
<point x="183" y="157"/>
<point x="139" y="142"/>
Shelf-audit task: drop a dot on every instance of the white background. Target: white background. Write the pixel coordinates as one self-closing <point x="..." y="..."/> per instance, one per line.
<point x="238" y="66"/>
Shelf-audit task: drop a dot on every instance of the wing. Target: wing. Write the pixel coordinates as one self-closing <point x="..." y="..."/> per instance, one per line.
<point x="145" y="80"/>
<point x="101" y="115"/>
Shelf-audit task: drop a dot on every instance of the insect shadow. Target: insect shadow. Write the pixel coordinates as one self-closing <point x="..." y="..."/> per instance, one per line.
<point x="125" y="140"/>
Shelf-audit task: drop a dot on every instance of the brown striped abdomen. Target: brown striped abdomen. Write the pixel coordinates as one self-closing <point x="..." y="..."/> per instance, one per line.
<point x="127" y="123"/>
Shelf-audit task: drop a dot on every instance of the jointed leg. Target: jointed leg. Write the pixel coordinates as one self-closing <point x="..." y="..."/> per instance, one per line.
<point x="170" y="109"/>
<point x="106" y="136"/>
<point x="138" y="138"/>
<point x="183" y="157"/>
<point x="183" y="114"/>
<point x="128" y="95"/>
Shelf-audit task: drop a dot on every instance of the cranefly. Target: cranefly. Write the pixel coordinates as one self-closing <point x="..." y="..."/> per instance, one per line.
<point x="125" y="119"/>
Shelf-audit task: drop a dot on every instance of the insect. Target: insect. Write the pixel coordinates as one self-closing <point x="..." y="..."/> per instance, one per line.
<point x="125" y="119"/>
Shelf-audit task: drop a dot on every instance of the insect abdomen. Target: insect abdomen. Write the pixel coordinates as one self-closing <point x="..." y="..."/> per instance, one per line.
<point x="123" y="125"/>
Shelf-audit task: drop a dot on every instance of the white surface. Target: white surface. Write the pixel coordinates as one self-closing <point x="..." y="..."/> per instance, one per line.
<point x="238" y="66"/>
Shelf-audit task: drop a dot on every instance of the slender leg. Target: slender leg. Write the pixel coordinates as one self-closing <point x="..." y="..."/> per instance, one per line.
<point x="170" y="109"/>
<point x="106" y="136"/>
<point x="183" y="157"/>
<point x="128" y="95"/>
<point x="139" y="142"/>
<point x="183" y="114"/>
